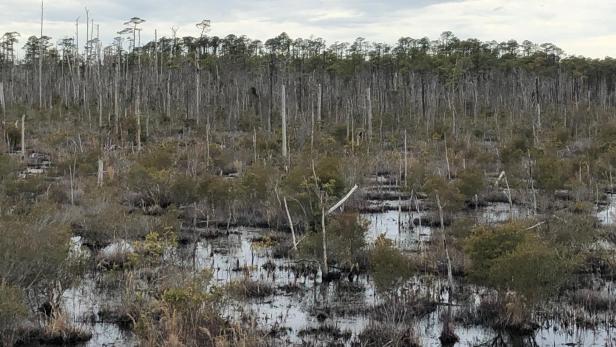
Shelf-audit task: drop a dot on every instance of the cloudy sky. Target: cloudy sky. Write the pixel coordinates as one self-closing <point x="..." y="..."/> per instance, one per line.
<point x="580" y="27"/>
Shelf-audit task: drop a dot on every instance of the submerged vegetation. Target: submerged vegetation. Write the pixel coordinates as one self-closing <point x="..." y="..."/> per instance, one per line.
<point x="225" y="191"/>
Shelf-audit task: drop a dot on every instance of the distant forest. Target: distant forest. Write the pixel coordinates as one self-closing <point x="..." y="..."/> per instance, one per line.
<point x="234" y="82"/>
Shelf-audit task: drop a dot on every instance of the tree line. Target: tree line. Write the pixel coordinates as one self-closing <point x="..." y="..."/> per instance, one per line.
<point x="234" y="83"/>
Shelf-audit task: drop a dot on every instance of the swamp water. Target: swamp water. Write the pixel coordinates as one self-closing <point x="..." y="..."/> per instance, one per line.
<point x="340" y="306"/>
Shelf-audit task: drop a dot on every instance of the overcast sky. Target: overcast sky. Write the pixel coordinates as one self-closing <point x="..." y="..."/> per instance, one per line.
<point x="580" y="27"/>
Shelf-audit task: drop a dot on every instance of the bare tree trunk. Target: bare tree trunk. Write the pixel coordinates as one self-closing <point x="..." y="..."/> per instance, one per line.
<point x="41" y="61"/>
<point x="319" y="102"/>
<point x="325" y="268"/>
<point x="23" y="136"/>
<point x="447" y="334"/>
<point x="369" y="114"/>
<point x="311" y="128"/>
<point x="71" y="173"/>
<point x="290" y="223"/>
<point x="2" y="101"/>
<point x="100" y="174"/>
<point x="406" y="157"/>
<point x="254" y="143"/>
<point x="339" y="203"/>
<point x="138" y="132"/>
<point x="283" y="113"/>
<point x="447" y="161"/>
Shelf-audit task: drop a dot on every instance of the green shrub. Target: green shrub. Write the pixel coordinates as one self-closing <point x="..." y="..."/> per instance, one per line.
<point x="486" y="245"/>
<point x="448" y="193"/>
<point x="388" y="265"/>
<point x="551" y="173"/>
<point x="345" y="235"/>
<point x="534" y="269"/>
<point x="470" y="182"/>
<point x="510" y="257"/>
<point x="257" y="182"/>
<point x="330" y="177"/>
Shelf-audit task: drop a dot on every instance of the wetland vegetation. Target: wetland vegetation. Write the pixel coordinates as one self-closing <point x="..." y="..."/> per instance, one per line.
<point x="186" y="192"/>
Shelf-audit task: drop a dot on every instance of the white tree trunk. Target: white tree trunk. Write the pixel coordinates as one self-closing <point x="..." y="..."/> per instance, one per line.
<point x="283" y="113"/>
<point x="100" y="173"/>
<point x="286" y="208"/>
<point x="23" y="136"/>
<point x="319" y="102"/>
<point x="369" y="113"/>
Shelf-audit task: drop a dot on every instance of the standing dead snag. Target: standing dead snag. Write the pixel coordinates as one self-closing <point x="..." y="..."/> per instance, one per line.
<point x="283" y="113"/>
<point x="290" y="223"/>
<point x="321" y="196"/>
<point x="138" y="132"/>
<point x="99" y="176"/>
<point x="406" y="158"/>
<point x="23" y="136"/>
<point x="448" y="336"/>
<point x="40" y="75"/>
<point x="2" y="102"/>
<point x="508" y="193"/>
<point x="322" y="200"/>
<point x="369" y="116"/>
<point x="319" y="102"/>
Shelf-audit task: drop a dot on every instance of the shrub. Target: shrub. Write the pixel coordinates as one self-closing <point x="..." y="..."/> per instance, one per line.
<point x="485" y="246"/>
<point x="12" y="312"/>
<point x="450" y="197"/>
<point x="330" y="178"/>
<point x="469" y="183"/>
<point x="388" y="265"/>
<point x="247" y="288"/>
<point x="345" y="235"/>
<point x="511" y="258"/>
<point x="533" y="269"/>
<point x="33" y="248"/>
<point x="551" y="173"/>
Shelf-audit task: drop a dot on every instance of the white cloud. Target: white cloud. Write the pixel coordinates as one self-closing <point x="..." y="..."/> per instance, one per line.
<point x="579" y="27"/>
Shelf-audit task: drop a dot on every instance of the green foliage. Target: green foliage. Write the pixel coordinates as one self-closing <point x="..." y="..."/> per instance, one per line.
<point x="158" y="158"/>
<point x="24" y="190"/>
<point x="448" y="193"/>
<point x="13" y="135"/>
<point x="388" y="265"/>
<point x="339" y="133"/>
<point x="551" y="172"/>
<point x="84" y="164"/>
<point x="470" y="182"/>
<point x="345" y="235"/>
<point x="534" y="269"/>
<point x="257" y="182"/>
<point x="510" y="257"/>
<point x="192" y="294"/>
<point x="8" y="167"/>
<point x="104" y="221"/>
<point x="218" y="190"/>
<point x="330" y="177"/>
<point x="486" y="245"/>
<point x="517" y="148"/>
<point x="571" y="231"/>
<point x="152" y="249"/>
<point x="182" y="190"/>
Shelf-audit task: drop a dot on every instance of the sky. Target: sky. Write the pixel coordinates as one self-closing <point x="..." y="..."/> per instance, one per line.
<point x="580" y="27"/>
